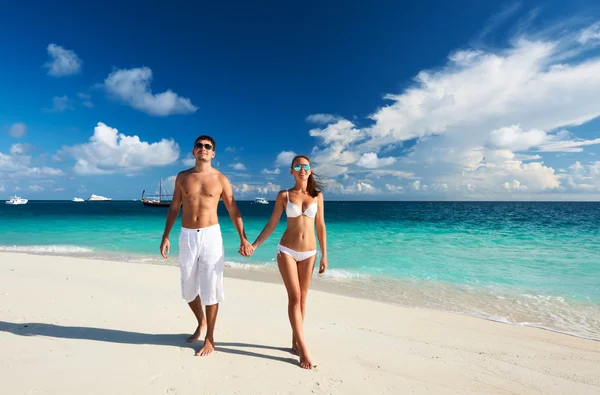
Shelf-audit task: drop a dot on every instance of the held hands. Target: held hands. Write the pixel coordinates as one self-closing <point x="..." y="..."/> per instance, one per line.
<point x="323" y="265"/>
<point x="246" y="249"/>
<point x="165" y="245"/>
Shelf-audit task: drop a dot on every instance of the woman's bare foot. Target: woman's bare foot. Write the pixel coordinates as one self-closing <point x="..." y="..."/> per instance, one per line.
<point x="294" y="345"/>
<point x="207" y="349"/>
<point x="305" y="362"/>
<point x="196" y="335"/>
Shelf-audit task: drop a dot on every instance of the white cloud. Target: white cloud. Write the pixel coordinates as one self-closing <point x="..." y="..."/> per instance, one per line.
<point x="189" y="160"/>
<point x="590" y="33"/>
<point x="109" y="151"/>
<point x="246" y="188"/>
<point x="393" y="173"/>
<point x="343" y="132"/>
<point x="472" y="124"/>
<point x="568" y="146"/>
<point x="238" y="166"/>
<point x="371" y="161"/>
<point x="514" y="186"/>
<point x="17" y="130"/>
<point x="515" y="139"/>
<point x="63" y="61"/>
<point x="583" y="177"/>
<point x="19" y="166"/>
<point x="85" y="99"/>
<point x="271" y="172"/>
<point x="132" y="86"/>
<point x="394" y="188"/>
<point x="329" y="170"/>
<point x="36" y="188"/>
<point x="231" y="149"/>
<point x="524" y="157"/>
<point x="2" y="189"/>
<point x="169" y="184"/>
<point x="322" y="118"/>
<point x="61" y="104"/>
<point x="360" y="187"/>
<point x="284" y="158"/>
<point x="17" y="149"/>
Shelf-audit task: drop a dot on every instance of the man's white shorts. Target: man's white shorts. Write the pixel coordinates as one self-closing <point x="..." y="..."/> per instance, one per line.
<point x="201" y="262"/>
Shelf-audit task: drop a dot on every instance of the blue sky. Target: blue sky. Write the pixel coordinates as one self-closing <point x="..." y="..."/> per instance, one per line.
<point x="463" y="100"/>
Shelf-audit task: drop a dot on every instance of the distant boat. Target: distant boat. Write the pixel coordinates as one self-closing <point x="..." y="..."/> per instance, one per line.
<point x="98" y="198"/>
<point x="15" y="201"/>
<point x="261" y="200"/>
<point x="163" y="199"/>
<point x="76" y="199"/>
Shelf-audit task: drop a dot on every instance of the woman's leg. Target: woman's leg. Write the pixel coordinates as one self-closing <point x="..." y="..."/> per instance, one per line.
<point x="289" y="273"/>
<point x="305" y="272"/>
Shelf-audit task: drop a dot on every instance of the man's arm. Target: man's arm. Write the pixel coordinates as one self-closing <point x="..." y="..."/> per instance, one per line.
<point x="174" y="208"/>
<point x="234" y="214"/>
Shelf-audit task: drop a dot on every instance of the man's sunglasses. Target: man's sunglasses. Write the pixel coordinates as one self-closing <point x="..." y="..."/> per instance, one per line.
<point x="306" y="167"/>
<point x="208" y="147"/>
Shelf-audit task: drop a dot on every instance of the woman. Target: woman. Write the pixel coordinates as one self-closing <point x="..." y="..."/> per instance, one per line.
<point x="297" y="249"/>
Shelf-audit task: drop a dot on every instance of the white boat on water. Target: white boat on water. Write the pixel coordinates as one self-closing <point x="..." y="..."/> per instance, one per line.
<point x="261" y="200"/>
<point x="98" y="198"/>
<point x="15" y="200"/>
<point x="76" y="199"/>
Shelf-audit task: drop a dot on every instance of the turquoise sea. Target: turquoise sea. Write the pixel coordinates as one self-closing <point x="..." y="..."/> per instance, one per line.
<point x="532" y="264"/>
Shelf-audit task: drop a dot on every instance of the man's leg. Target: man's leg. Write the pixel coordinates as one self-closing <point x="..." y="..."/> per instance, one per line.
<point x="209" y="340"/>
<point x="210" y="277"/>
<point x="188" y="265"/>
<point x="196" y="307"/>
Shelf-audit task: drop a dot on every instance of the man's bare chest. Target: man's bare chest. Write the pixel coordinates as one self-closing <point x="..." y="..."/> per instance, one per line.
<point x="198" y="187"/>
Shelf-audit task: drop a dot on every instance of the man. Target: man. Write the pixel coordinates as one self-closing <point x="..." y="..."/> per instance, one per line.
<point x="201" y="252"/>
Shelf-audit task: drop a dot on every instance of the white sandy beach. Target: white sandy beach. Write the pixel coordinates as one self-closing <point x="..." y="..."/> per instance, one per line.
<point x="78" y="326"/>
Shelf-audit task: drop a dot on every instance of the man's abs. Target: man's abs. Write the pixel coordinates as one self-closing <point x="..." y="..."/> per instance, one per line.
<point x="199" y="214"/>
<point x="200" y="198"/>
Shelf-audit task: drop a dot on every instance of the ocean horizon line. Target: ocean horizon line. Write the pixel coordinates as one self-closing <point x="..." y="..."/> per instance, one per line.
<point x="132" y="200"/>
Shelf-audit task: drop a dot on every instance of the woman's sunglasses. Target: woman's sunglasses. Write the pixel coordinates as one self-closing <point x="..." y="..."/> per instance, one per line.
<point x="306" y="167"/>
<point x="208" y="147"/>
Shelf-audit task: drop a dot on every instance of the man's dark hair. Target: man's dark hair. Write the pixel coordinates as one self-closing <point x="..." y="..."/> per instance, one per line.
<point x="212" y="141"/>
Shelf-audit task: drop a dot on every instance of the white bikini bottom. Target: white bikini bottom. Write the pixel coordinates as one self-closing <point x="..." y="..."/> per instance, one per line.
<point x="298" y="256"/>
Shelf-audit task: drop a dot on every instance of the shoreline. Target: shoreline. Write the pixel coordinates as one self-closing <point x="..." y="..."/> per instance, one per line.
<point x="66" y="319"/>
<point x="353" y="287"/>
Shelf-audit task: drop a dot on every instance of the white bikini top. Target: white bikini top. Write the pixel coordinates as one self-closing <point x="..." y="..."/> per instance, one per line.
<point x="293" y="211"/>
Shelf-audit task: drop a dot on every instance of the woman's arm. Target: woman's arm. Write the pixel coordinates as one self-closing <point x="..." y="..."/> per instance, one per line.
<point x="272" y="224"/>
<point x="322" y="232"/>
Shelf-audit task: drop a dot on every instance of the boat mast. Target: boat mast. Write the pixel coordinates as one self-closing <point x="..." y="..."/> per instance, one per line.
<point x="160" y="190"/>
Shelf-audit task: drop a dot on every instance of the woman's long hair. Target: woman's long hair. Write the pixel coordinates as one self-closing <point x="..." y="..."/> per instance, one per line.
<point x="314" y="184"/>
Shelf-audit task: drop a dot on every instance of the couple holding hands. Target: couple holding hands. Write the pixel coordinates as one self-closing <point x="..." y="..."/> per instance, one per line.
<point x="201" y="251"/>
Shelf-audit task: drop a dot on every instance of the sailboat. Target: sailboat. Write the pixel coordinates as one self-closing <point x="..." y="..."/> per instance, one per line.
<point x="161" y="200"/>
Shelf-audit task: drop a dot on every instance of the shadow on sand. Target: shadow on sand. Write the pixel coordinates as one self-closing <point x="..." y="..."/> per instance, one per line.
<point x="125" y="337"/>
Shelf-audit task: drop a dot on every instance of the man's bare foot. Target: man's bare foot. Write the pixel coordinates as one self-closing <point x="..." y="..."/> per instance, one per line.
<point x="305" y="362"/>
<point x="207" y="349"/>
<point x="196" y="335"/>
